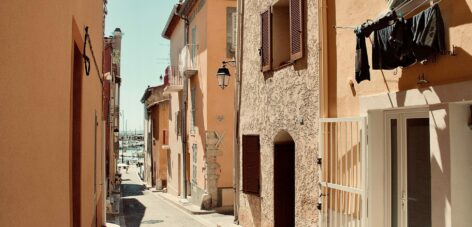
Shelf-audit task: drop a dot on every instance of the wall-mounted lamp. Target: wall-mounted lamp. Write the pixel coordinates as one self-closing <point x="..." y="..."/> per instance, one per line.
<point x="116" y="132"/>
<point x="223" y="75"/>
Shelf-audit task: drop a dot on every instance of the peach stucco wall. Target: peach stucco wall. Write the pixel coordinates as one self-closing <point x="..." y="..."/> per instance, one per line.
<point x="35" y="116"/>
<point x="214" y="106"/>
<point x="175" y="142"/>
<point x="220" y="102"/>
<point x="457" y="18"/>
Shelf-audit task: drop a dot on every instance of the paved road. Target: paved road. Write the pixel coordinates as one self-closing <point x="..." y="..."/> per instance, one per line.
<point x="142" y="208"/>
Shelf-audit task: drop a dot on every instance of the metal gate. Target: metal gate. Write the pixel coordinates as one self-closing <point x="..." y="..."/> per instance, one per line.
<point x="343" y="176"/>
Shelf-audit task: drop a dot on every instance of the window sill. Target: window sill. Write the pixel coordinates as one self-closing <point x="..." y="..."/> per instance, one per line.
<point x="284" y="65"/>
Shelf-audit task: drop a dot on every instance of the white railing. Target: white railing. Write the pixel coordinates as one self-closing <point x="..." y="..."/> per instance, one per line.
<point x="343" y="176"/>
<point x="175" y="76"/>
<point x="188" y="59"/>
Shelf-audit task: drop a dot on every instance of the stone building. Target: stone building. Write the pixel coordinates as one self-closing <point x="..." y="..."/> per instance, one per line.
<point x="279" y="112"/>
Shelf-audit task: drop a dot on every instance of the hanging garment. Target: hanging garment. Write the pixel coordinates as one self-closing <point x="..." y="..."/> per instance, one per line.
<point x="361" y="62"/>
<point x="391" y="47"/>
<point x="368" y="27"/>
<point x="428" y="33"/>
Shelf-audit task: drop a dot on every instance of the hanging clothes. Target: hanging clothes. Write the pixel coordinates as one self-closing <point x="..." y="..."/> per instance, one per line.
<point x="391" y="47"/>
<point x="361" y="60"/>
<point x="398" y="42"/>
<point x="428" y="33"/>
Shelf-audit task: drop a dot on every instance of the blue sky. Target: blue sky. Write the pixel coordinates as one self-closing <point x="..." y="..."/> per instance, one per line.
<point x="144" y="53"/>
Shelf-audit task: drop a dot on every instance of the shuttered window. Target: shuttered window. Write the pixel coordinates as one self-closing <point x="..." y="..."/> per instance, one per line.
<point x="296" y="29"/>
<point x="251" y="164"/>
<point x="266" y="45"/>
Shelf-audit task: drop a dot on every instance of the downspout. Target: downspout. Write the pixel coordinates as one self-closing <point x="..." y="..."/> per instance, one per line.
<point x="323" y="56"/>
<point x="236" y="143"/>
<point x="184" y="115"/>
<point x="323" y="37"/>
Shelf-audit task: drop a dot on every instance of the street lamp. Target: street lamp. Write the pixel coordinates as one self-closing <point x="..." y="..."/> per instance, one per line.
<point x="223" y="75"/>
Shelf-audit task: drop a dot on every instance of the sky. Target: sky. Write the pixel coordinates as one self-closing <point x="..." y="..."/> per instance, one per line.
<point x="144" y="53"/>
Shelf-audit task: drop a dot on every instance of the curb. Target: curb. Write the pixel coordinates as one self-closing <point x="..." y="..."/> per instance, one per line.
<point x="182" y="207"/>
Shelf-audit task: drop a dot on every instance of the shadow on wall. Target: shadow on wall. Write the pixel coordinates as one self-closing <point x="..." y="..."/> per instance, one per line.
<point x="255" y="208"/>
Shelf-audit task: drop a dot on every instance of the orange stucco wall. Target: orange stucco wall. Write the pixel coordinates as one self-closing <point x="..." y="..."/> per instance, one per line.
<point x="36" y="68"/>
<point x="457" y="18"/>
<point x="220" y="102"/>
<point x="214" y="106"/>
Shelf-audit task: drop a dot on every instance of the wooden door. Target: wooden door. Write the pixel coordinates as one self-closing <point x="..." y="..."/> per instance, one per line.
<point x="284" y="185"/>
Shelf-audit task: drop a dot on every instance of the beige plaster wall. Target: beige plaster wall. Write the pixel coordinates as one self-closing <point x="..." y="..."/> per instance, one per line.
<point x="457" y="18"/>
<point x="175" y="141"/>
<point x="289" y="96"/>
<point x="36" y="68"/>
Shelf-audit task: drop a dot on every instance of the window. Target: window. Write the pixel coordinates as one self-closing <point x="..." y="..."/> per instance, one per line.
<point x="192" y="117"/>
<point x="194" y="163"/>
<point x="281" y="26"/>
<point x="251" y="164"/>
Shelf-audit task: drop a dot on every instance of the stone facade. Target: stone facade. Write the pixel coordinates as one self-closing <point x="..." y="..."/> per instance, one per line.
<point x="287" y="100"/>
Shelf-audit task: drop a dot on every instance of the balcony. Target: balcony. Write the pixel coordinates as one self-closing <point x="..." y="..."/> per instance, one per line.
<point x="175" y="80"/>
<point x="188" y="60"/>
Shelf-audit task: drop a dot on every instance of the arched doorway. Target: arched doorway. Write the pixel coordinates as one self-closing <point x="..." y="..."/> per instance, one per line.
<point x="284" y="180"/>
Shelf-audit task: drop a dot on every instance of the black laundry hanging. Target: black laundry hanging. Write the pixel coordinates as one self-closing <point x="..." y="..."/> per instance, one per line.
<point x="398" y="42"/>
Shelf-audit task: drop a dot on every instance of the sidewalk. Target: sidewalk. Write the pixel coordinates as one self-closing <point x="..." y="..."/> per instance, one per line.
<point x="212" y="217"/>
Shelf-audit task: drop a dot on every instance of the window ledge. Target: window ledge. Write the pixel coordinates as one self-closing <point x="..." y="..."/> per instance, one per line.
<point x="284" y="65"/>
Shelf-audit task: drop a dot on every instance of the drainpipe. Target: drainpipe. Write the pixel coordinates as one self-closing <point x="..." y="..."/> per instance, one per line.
<point x="323" y="36"/>
<point x="236" y="143"/>
<point x="184" y="116"/>
<point x="323" y="56"/>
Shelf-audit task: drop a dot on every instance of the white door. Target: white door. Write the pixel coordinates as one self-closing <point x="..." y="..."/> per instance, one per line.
<point x="408" y="168"/>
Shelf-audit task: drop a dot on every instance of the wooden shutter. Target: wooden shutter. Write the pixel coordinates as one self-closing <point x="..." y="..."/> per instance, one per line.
<point x="266" y="41"/>
<point x="296" y="29"/>
<point x="251" y="164"/>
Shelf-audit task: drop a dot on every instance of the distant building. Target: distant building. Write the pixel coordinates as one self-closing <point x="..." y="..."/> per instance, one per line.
<point x="156" y="136"/>
<point x="111" y="104"/>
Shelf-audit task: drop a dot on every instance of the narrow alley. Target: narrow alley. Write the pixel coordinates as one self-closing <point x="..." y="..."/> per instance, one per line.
<point x="141" y="207"/>
<point x="236" y="113"/>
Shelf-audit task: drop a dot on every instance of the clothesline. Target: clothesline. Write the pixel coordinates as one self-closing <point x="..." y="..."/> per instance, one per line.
<point x="399" y="10"/>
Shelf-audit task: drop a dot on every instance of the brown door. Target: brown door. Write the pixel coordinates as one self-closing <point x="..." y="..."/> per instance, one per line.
<point x="76" y="137"/>
<point x="284" y="185"/>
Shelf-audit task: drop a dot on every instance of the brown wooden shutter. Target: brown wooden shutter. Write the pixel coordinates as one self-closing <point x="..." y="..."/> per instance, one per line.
<point x="251" y="164"/>
<point x="296" y="29"/>
<point x="266" y="41"/>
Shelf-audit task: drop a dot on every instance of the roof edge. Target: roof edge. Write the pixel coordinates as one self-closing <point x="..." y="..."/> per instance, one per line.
<point x="168" y="30"/>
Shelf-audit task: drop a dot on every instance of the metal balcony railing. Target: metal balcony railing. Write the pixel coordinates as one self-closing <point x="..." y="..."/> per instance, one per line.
<point x="188" y="60"/>
<point x="175" y="80"/>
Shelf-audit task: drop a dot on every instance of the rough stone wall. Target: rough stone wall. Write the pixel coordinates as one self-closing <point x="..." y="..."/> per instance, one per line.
<point x="286" y="101"/>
